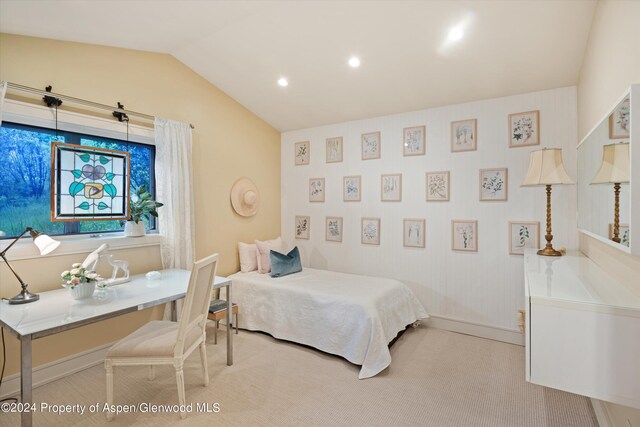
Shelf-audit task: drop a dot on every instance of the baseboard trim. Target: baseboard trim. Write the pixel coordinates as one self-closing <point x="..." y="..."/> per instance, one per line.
<point x="602" y="415"/>
<point x="511" y="336"/>
<point x="57" y="369"/>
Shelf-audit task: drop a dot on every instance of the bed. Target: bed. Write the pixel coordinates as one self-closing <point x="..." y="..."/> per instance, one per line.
<point x="344" y="314"/>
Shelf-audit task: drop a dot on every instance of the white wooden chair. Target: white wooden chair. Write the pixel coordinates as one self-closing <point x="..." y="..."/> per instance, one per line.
<point x="162" y="342"/>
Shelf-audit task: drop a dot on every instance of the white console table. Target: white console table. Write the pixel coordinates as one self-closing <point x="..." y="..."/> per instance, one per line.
<point x="582" y="329"/>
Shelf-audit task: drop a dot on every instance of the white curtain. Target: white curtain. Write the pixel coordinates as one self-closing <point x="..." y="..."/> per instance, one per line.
<point x="174" y="188"/>
<point x="3" y="92"/>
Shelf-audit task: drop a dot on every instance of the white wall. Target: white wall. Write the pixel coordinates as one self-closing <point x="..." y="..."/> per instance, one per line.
<point x="484" y="287"/>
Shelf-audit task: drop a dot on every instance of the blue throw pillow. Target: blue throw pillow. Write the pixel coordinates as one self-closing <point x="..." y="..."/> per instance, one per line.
<point x="282" y="264"/>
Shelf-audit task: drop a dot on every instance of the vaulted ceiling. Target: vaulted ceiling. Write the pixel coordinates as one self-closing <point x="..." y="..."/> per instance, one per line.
<point x="407" y="60"/>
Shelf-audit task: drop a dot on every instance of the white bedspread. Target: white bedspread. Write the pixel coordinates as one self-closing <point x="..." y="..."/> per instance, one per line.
<point x="349" y="315"/>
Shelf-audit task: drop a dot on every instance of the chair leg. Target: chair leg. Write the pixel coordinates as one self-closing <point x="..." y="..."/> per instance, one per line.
<point x="109" y="368"/>
<point x="181" y="394"/>
<point x="215" y="333"/>
<point x="205" y="365"/>
<point x="152" y="372"/>
<point x="236" y="323"/>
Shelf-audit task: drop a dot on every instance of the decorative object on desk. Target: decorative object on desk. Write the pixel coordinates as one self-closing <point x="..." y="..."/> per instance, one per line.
<point x="413" y="141"/>
<point x="46" y="245"/>
<point x="546" y="168"/>
<point x="438" y="186"/>
<point x="494" y="185"/>
<point x="88" y="183"/>
<point x="80" y="281"/>
<point x="142" y="206"/>
<point x="316" y="190"/>
<point x="93" y="259"/>
<point x="153" y="275"/>
<point x="245" y="198"/>
<point x="302" y="153"/>
<point x="619" y="123"/>
<point x="463" y="136"/>
<point x="524" y="129"/>
<point x="334" y="149"/>
<point x="391" y="187"/>
<point x="370" y="231"/>
<point x="464" y="235"/>
<point x="303" y="227"/>
<point x="370" y="145"/>
<point x="614" y="170"/>
<point x="522" y="235"/>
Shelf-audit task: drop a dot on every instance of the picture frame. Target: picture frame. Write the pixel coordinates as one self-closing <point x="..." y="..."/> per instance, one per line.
<point x="413" y="233"/>
<point x="494" y="185"/>
<point x="302" y="153"/>
<point x="619" y="121"/>
<point x="370" y="234"/>
<point x="333" y="229"/>
<point x="438" y="186"/>
<point x="464" y="135"/>
<point x="89" y="183"/>
<point x="523" y="235"/>
<point x="414" y="141"/>
<point x="352" y="188"/>
<point x="316" y="189"/>
<point x="391" y="187"/>
<point x="334" y="150"/>
<point x="464" y="235"/>
<point x="623" y="233"/>
<point x="524" y="129"/>
<point x="370" y="145"/>
<point x="302" y="227"/>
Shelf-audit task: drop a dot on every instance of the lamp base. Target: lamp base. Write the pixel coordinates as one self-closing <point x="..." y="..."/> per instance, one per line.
<point x="549" y="252"/>
<point x="24" y="297"/>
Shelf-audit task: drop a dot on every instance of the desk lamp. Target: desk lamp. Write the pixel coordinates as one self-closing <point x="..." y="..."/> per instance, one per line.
<point x="46" y="245"/>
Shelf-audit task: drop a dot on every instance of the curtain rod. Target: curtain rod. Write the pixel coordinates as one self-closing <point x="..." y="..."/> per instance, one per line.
<point x="80" y="101"/>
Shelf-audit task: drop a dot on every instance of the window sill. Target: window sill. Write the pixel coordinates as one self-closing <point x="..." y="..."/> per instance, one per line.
<point x="78" y="244"/>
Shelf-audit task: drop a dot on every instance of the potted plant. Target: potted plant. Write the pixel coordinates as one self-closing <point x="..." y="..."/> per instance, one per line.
<point x="142" y="206"/>
<point x="80" y="281"/>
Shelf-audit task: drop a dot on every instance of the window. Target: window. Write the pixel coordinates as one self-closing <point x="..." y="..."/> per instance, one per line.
<point x="25" y="179"/>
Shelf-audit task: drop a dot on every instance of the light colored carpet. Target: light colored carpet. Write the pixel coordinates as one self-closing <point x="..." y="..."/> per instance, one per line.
<point x="437" y="378"/>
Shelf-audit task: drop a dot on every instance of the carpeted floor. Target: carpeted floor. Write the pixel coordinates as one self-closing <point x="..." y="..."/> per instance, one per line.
<point x="437" y="378"/>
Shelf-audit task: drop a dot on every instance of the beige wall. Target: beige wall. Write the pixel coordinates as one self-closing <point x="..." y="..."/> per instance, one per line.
<point x="228" y="142"/>
<point x="610" y="66"/>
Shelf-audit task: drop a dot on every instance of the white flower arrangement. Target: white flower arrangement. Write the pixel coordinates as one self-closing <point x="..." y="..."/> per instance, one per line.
<point x="78" y="275"/>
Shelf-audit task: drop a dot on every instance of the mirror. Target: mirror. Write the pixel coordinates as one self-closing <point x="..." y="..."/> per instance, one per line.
<point x="604" y="176"/>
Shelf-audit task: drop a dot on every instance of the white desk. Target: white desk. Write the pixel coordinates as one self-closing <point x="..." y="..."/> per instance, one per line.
<point x="56" y="311"/>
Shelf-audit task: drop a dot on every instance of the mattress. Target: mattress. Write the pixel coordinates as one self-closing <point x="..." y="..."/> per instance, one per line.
<point x="344" y="314"/>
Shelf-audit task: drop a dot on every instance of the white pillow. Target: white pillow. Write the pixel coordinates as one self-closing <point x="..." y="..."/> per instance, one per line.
<point x="248" y="257"/>
<point x="264" y="248"/>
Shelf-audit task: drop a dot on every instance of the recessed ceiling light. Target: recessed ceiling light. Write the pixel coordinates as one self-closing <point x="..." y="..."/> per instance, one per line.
<point x="456" y="33"/>
<point x="354" y="62"/>
<point x="283" y="82"/>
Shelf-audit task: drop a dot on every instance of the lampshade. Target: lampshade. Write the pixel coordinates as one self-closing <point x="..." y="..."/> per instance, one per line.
<point x="615" y="164"/>
<point x="45" y="243"/>
<point x="546" y="168"/>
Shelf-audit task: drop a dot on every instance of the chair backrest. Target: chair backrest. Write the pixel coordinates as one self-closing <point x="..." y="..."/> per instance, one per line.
<point x="196" y="302"/>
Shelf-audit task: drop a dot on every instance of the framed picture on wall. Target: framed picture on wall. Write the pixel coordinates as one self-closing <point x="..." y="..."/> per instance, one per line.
<point x="413" y="141"/>
<point x="302" y="153"/>
<point x="522" y="235"/>
<point x="334" y="149"/>
<point x="316" y="190"/>
<point x="619" y="121"/>
<point x="391" y="187"/>
<point x="351" y="191"/>
<point x="413" y="233"/>
<point x="303" y="227"/>
<point x="494" y="185"/>
<point x="524" y="129"/>
<point x="623" y="233"/>
<point x="438" y="186"/>
<point x="370" y="231"/>
<point x="464" y="235"/>
<point x="333" y="225"/>
<point x="371" y="145"/>
<point x="463" y="135"/>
